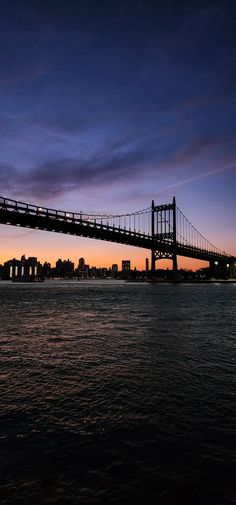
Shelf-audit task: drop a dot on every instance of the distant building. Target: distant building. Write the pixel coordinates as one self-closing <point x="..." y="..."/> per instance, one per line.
<point x="125" y="265"/>
<point x="83" y="269"/>
<point x="114" y="268"/>
<point x="46" y="270"/>
<point x="81" y="265"/>
<point x="64" y="268"/>
<point x="11" y="269"/>
<point x="104" y="272"/>
<point x="30" y="267"/>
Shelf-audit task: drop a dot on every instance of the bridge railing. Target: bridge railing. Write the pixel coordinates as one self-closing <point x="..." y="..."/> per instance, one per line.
<point x="73" y="217"/>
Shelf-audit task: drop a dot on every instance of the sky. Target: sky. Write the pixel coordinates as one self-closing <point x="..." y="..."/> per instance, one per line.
<point x="106" y="105"/>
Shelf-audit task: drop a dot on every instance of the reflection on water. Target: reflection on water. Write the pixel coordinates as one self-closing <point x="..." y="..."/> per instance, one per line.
<point x="117" y="393"/>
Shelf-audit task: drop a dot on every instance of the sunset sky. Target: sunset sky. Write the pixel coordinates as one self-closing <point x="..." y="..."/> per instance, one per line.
<point x="106" y="105"/>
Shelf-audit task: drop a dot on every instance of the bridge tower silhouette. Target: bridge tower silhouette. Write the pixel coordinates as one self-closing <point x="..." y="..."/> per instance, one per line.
<point x="164" y="232"/>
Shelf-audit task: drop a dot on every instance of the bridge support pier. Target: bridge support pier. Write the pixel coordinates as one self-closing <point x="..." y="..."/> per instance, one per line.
<point x="157" y="255"/>
<point x="175" y="266"/>
<point x="153" y="262"/>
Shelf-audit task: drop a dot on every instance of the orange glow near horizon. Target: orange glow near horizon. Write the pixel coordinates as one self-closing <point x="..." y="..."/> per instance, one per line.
<point x="50" y="247"/>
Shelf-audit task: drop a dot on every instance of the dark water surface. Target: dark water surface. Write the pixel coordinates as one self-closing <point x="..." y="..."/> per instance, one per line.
<point x="117" y="393"/>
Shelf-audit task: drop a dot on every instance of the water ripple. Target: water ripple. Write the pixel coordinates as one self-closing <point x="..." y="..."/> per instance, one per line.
<point x="117" y="393"/>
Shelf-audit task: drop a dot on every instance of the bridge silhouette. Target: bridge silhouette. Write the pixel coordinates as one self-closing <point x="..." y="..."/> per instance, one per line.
<point x="163" y="229"/>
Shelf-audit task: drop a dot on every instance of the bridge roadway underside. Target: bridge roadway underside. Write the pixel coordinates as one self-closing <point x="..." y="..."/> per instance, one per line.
<point x="101" y="232"/>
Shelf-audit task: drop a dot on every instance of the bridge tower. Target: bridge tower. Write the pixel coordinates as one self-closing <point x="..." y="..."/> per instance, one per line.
<point x="163" y="229"/>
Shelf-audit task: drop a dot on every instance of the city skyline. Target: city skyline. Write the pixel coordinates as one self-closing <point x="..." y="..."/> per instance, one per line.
<point x="31" y="269"/>
<point x="108" y="106"/>
<point x="23" y="257"/>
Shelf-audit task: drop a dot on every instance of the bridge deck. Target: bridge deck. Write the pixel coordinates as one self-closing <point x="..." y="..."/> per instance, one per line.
<point x="29" y="216"/>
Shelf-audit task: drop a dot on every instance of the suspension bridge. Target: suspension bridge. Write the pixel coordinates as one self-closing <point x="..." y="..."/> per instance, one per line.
<point x="163" y="229"/>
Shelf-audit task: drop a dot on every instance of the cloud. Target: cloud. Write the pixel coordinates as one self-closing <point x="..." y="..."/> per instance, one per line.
<point x="54" y="178"/>
<point x="203" y="175"/>
<point x="182" y="182"/>
<point x="97" y="159"/>
<point x="197" y="148"/>
<point x="121" y="161"/>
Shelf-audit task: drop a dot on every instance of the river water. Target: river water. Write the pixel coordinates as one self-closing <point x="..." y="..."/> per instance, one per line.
<point x="115" y="392"/>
